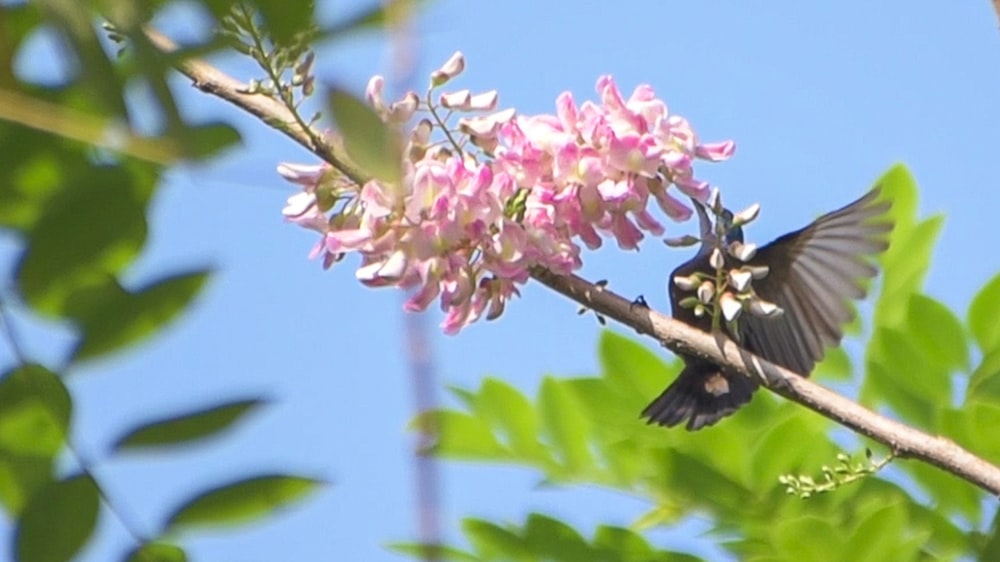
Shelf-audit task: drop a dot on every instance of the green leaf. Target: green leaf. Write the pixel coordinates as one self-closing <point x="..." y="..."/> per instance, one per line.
<point x="21" y="477"/>
<point x="905" y="264"/>
<point x="836" y="365"/>
<point x="550" y="538"/>
<point x="91" y="229"/>
<point x="36" y="168"/>
<point x="157" y="552"/>
<point x="241" y="501"/>
<point x="900" y="187"/>
<point x="286" y="18"/>
<point x="187" y="427"/>
<point x="460" y="435"/>
<point x="806" y="538"/>
<point x="907" y="365"/>
<point x="564" y="425"/>
<point x="990" y="546"/>
<point x="443" y="553"/>
<point x="371" y="143"/>
<point x="878" y="534"/>
<point x="112" y="318"/>
<point x="938" y="333"/>
<point x="985" y="380"/>
<point x="208" y="140"/>
<point x="631" y="369"/>
<point x="512" y="416"/>
<point x="494" y="542"/>
<point x="983" y="314"/>
<point x="58" y="521"/>
<point x="35" y="410"/>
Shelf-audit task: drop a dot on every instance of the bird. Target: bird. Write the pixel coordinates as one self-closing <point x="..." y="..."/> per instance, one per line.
<point x="800" y="296"/>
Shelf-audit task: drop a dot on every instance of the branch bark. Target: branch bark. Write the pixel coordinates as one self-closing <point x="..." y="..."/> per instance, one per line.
<point x="903" y="440"/>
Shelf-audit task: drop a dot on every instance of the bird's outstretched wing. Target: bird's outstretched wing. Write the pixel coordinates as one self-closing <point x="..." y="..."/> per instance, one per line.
<point x="814" y="272"/>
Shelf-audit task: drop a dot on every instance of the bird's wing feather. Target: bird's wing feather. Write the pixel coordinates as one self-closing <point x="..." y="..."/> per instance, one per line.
<point x="813" y="274"/>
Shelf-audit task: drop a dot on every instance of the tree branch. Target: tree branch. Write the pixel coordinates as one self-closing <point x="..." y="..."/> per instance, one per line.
<point x="904" y="441"/>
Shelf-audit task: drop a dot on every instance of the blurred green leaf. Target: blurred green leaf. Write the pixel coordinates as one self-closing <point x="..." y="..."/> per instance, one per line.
<point x="908" y="365"/>
<point x="989" y="549"/>
<point x="35" y="410"/>
<point x="90" y="229"/>
<point x="938" y="333"/>
<point x="807" y="538"/>
<point x="493" y="542"/>
<point x="631" y="369"/>
<point x="58" y="521"/>
<point x="564" y="425"/>
<point x="460" y="435"/>
<point x="550" y="538"/>
<point x="985" y="380"/>
<point x="286" y="18"/>
<point x="905" y="265"/>
<point x="371" y="143"/>
<point x="442" y="553"/>
<point x="157" y="552"/>
<point x="112" y="317"/>
<point x="878" y="536"/>
<point x="983" y="315"/>
<point x="208" y="140"/>
<point x="950" y="495"/>
<point x="836" y="365"/>
<point x="37" y="166"/>
<point x="511" y="416"/>
<point x="187" y="427"/>
<point x="241" y="501"/>
<point x="20" y="477"/>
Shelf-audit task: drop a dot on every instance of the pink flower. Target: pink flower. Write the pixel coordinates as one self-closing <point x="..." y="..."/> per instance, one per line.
<point x="466" y="228"/>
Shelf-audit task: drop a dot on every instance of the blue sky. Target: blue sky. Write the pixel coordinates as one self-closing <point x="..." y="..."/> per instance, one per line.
<point x="821" y="98"/>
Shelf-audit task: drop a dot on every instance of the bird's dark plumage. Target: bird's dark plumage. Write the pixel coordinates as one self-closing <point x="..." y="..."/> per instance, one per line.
<point x="812" y="275"/>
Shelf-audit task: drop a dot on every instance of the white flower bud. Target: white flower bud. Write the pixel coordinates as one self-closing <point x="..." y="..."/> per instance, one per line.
<point x="747" y="215"/>
<point x="716" y="260"/>
<point x="731" y="307"/>
<point x="740" y="279"/>
<point x="686" y="283"/>
<point x="742" y="252"/>
<point x="706" y="291"/>
<point x="765" y="309"/>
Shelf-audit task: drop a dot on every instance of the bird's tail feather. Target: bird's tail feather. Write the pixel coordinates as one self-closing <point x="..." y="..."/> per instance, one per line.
<point x="702" y="394"/>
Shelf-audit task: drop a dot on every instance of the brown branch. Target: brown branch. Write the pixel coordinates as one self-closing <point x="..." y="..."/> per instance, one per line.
<point x="904" y="441"/>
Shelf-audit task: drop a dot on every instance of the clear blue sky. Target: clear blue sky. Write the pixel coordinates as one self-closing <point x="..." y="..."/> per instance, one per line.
<point x="821" y="98"/>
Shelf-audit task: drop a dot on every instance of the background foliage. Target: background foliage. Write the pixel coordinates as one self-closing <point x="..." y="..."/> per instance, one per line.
<point x="79" y="215"/>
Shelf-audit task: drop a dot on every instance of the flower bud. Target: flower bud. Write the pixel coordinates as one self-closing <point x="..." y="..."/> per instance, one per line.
<point x="716" y="260"/>
<point x="764" y="309"/>
<point x="706" y="291"/>
<point x="740" y="279"/>
<point x="450" y="69"/>
<point x="742" y="252"/>
<point x="731" y="307"/>
<point x="757" y="271"/>
<point x="486" y="101"/>
<point x="746" y="216"/>
<point x="681" y="241"/>
<point x="686" y="283"/>
<point x="374" y="92"/>
<point x="460" y="100"/>
<point x="403" y="110"/>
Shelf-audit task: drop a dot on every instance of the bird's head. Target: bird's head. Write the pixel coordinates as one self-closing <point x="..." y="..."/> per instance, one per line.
<point x="724" y="225"/>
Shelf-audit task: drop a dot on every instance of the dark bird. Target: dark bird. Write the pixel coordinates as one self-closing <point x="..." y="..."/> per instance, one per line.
<point x="810" y="275"/>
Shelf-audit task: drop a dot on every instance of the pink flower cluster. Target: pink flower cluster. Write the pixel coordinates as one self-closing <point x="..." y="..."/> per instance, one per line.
<point x="466" y="227"/>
